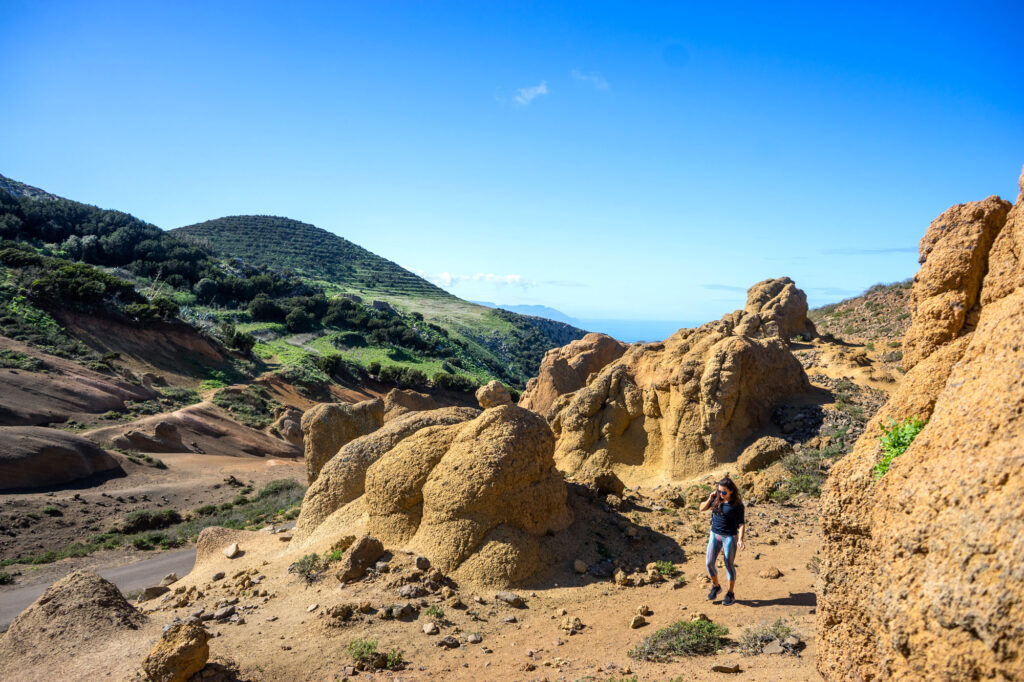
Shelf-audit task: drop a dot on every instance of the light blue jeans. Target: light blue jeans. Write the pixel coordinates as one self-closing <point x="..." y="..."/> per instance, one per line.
<point x="717" y="543"/>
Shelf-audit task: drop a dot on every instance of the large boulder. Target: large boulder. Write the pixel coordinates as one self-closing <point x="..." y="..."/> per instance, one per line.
<point x="329" y="426"/>
<point x="675" y="409"/>
<point x="781" y="307"/>
<point x="474" y="497"/>
<point x="565" y="369"/>
<point x="35" y="456"/>
<point x="921" y="573"/>
<point x="763" y="453"/>
<point x="179" y="654"/>
<point x="76" y="612"/>
<point x="342" y="478"/>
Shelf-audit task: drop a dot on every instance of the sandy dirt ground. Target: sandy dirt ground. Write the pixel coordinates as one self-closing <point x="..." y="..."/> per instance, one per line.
<point x="279" y="637"/>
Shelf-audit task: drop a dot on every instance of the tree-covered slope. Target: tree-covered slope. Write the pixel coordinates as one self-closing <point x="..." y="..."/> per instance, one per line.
<point x="308" y="251"/>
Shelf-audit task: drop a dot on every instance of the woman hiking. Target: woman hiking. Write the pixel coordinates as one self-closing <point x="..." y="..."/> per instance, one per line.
<point x="728" y="528"/>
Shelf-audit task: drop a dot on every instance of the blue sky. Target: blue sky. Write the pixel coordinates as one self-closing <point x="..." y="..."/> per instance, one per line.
<point x="633" y="160"/>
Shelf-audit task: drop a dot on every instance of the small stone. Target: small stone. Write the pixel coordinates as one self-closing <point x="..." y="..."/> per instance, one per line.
<point x="219" y="575"/>
<point x="271" y="619"/>
<point x="423" y="563"/>
<point x="773" y="648"/>
<point x="579" y="566"/>
<point x="793" y="642"/>
<point x="770" y="573"/>
<point x="365" y="607"/>
<point x="698" y="616"/>
<point x="511" y="619"/>
<point x="232" y="550"/>
<point x="430" y="628"/>
<point x="643" y="610"/>
<point x="153" y="592"/>
<point x="284" y="538"/>
<point x="638" y="622"/>
<point x="312" y="607"/>
<point x="734" y="668"/>
<point x="411" y="591"/>
<point x="474" y="638"/>
<point x="224" y="612"/>
<point x="572" y="624"/>
<point x="448" y="642"/>
<point x="510" y="598"/>
<point x="169" y="579"/>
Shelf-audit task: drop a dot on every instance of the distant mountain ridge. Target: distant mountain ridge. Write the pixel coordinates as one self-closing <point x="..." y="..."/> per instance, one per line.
<point x="307" y="250"/>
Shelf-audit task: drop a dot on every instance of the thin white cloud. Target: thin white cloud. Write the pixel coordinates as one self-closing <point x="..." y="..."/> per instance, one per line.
<point x="594" y="78"/>
<point x="447" y="279"/>
<point x="526" y="95"/>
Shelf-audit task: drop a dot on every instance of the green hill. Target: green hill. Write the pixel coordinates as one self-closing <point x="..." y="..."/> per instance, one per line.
<point x="307" y="250"/>
<point x="284" y="294"/>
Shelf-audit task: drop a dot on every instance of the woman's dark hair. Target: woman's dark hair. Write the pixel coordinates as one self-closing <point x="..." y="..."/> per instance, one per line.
<point x="736" y="501"/>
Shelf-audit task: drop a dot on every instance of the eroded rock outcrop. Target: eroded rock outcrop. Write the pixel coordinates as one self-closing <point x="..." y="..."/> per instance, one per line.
<point x="476" y="497"/>
<point x="565" y="369"/>
<point x="342" y="479"/>
<point x="921" y="574"/>
<point x="329" y="426"/>
<point x="399" y="402"/>
<point x="677" y="408"/>
<point x="954" y="258"/>
<point x="74" y="613"/>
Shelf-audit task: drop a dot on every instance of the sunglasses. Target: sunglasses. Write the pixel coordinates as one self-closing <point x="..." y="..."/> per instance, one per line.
<point x="723" y="493"/>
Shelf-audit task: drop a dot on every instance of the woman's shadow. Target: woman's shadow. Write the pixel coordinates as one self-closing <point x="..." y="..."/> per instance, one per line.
<point x="794" y="599"/>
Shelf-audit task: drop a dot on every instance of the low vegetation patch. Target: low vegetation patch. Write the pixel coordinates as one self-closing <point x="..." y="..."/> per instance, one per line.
<point x="895" y="440"/>
<point x="6" y="578"/>
<point x="682" y="638"/>
<point x="12" y="359"/>
<point x="251" y="405"/>
<point x="276" y="502"/>
<point x="364" y="651"/>
<point x="309" y="567"/>
<point x="756" y="638"/>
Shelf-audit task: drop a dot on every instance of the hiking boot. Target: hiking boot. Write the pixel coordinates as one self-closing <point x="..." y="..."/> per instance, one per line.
<point x="713" y="594"/>
<point x="730" y="599"/>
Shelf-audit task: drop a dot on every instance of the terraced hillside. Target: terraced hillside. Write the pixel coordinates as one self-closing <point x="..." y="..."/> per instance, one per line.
<point x="309" y="251"/>
<point x="882" y="313"/>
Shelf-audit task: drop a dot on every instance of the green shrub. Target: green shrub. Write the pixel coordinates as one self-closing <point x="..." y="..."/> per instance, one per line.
<point x="435" y="612"/>
<point x="309" y="567"/>
<point x="666" y="568"/>
<point x="755" y="638"/>
<point x="6" y="578"/>
<point x="52" y="511"/>
<point x="362" y="650"/>
<point x="144" y="519"/>
<point x="12" y="359"/>
<point x="682" y="638"/>
<point x="895" y="440"/>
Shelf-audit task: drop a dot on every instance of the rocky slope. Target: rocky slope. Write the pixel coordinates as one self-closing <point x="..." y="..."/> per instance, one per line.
<point x="921" y="573"/>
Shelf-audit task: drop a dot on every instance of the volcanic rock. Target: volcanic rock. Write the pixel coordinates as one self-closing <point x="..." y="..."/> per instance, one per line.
<point x="679" y="408"/>
<point x="343" y="477"/>
<point x="565" y="369"/>
<point x="179" y="654"/>
<point x="328" y="426"/>
<point x="75" y="612"/>
<point x="921" y="567"/>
